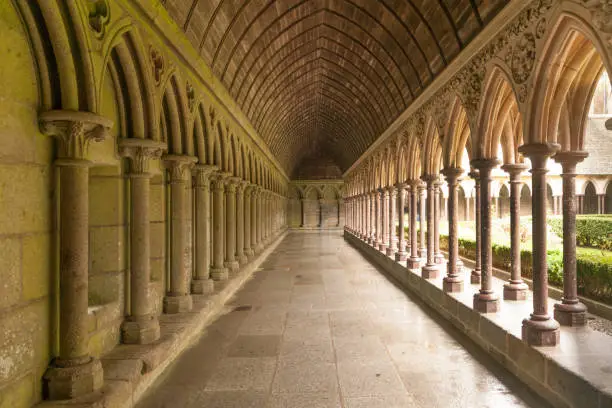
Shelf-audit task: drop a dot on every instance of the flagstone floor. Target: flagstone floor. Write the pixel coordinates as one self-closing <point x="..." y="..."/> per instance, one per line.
<point x="320" y="327"/>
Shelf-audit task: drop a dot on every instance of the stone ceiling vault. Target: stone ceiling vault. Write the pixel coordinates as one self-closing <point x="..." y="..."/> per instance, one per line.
<point x="328" y="74"/>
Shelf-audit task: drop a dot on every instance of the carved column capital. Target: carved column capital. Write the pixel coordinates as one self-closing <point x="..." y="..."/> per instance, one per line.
<point x="140" y="151"/>
<point x="74" y="130"/>
<point x="179" y="166"/>
<point x="202" y="174"/>
<point x="452" y="174"/>
<point x="231" y="184"/>
<point x="514" y="170"/>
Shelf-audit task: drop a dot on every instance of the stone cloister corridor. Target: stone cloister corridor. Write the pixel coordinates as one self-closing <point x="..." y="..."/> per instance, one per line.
<point x="320" y="327"/>
<point x="294" y="203"/>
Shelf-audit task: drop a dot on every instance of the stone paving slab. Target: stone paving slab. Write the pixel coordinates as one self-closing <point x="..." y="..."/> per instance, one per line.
<point x="352" y="340"/>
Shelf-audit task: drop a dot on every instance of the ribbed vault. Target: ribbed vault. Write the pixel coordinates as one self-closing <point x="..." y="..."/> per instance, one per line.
<point x="328" y="74"/>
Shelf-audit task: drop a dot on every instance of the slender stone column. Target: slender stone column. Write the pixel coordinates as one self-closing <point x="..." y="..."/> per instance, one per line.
<point x="373" y="206"/>
<point x="570" y="311"/>
<point x="230" y="224"/>
<point x="218" y="271"/>
<point x="401" y="255"/>
<point x="515" y="288"/>
<point x="303" y="207"/>
<point x="453" y="281"/>
<point x="255" y="195"/>
<point x="438" y="257"/>
<point x="140" y="326"/>
<point x="422" y="221"/>
<point x="384" y="209"/>
<point x="392" y="194"/>
<point x="414" y="261"/>
<point x="260" y="220"/>
<point x="430" y="269"/>
<point x="379" y="236"/>
<point x="74" y="372"/>
<point x="248" y="234"/>
<point x="475" y="276"/>
<point x="202" y="282"/>
<point x="540" y="329"/>
<point x="486" y="300"/>
<point x="178" y="297"/>
<point x="240" y="224"/>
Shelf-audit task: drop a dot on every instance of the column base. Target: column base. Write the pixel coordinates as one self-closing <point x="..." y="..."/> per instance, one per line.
<point x="515" y="291"/>
<point x="382" y="247"/>
<point x="439" y="258"/>
<point x="140" y="330"/>
<point x="571" y="314"/>
<point x="430" y="271"/>
<point x="452" y="284"/>
<point x="250" y="254"/>
<point x="401" y="256"/>
<point x="243" y="259"/>
<point x="371" y="241"/>
<point x="202" y="286"/>
<point x="390" y="251"/>
<point x="423" y="253"/>
<point x="232" y="267"/>
<point x="541" y="332"/>
<point x="177" y="304"/>
<point x="413" y="262"/>
<point x="486" y="303"/>
<point x="475" y="277"/>
<point x="219" y="274"/>
<point x="70" y="382"/>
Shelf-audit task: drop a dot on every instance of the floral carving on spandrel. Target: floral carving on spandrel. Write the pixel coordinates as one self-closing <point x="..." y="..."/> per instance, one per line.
<point x="523" y="58"/>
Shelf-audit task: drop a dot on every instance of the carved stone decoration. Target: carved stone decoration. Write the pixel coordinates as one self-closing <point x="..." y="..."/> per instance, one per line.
<point x="540" y="28"/>
<point x="74" y="131"/>
<point x="601" y="10"/>
<point x="99" y="16"/>
<point x="190" y="96"/>
<point x="159" y="65"/>
<point x="522" y="93"/>
<point x="523" y="58"/>
<point x="140" y="151"/>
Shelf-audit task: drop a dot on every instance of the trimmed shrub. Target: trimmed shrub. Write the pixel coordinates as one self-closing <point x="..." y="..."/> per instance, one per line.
<point x="593" y="267"/>
<point x="593" y="231"/>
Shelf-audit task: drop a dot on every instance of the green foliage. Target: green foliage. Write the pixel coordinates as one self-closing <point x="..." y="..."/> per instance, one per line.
<point x="593" y="267"/>
<point x="593" y="231"/>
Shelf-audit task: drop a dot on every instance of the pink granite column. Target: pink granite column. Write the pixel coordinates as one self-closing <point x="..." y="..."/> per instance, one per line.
<point x="515" y="288"/>
<point x="373" y="207"/>
<point x="401" y="255"/>
<point x="140" y="326"/>
<point x="570" y="311"/>
<point x="414" y="261"/>
<point x="438" y="257"/>
<point x="422" y="221"/>
<point x="475" y="275"/>
<point x="453" y="281"/>
<point x="486" y="300"/>
<point x="540" y="329"/>
<point x="74" y="372"/>
<point x="430" y="269"/>
<point x="392" y="194"/>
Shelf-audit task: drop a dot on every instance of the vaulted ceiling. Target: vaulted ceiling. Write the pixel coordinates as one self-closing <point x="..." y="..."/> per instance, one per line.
<point x="328" y="75"/>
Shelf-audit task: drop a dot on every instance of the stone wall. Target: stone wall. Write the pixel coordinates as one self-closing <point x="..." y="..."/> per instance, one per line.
<point x="316" y="204"/>
<point x="27" y="189"/>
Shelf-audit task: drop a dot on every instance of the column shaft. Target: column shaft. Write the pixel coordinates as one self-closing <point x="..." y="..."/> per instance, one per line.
<point x="414" y="261"/>
<point x="540" y="329"/>
<point x="401" y="254"/>
<point x="486" y="300"/>
<point x="453" y="281"/>
<point x="392" y="193"/>
<point x="570" y="311"/>
<point x="438" y="257"/>
<point x="515" y="288"/>
<point x="422" y="221"/>
<point x="430" y="269"/>
<point x="475" y="276"/>
<point x="218" y="272"/>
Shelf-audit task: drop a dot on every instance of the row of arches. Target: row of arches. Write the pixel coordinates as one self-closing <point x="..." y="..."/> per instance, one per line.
<point x="523" y="99"/>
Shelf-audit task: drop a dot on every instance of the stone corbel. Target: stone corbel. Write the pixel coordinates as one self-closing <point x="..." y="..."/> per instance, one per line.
<point x="74" y="131"/>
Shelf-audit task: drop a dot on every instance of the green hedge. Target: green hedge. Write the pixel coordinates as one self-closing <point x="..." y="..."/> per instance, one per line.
<point x="594" y="268"/>
<point x="591" y="230"/>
